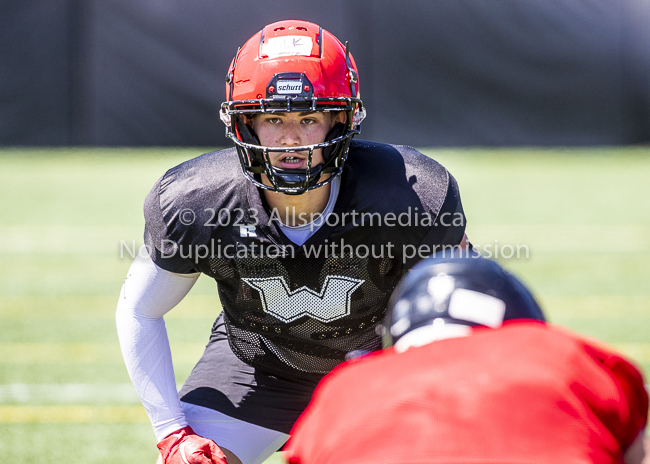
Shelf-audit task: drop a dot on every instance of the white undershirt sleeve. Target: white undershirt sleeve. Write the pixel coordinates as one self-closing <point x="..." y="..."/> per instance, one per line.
<point x="148" y="293"/>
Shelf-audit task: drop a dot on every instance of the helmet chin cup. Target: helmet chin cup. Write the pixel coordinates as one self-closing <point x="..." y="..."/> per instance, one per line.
<point x="297" y="178"/>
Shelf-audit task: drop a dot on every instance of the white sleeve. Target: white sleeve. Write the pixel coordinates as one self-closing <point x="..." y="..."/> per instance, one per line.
<point x="148" y="293"/>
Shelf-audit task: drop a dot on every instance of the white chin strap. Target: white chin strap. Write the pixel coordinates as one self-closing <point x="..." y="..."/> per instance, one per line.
<point x="439" y="330"/>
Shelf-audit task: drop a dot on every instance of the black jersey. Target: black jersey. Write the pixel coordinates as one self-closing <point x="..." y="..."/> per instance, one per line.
<point x="298" y="310"/>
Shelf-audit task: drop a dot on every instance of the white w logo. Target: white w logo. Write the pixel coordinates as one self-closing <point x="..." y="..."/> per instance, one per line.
<point x="333" y="301"/>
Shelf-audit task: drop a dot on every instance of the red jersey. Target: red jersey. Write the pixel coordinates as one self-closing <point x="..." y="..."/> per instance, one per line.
<point x="525" y="393"/>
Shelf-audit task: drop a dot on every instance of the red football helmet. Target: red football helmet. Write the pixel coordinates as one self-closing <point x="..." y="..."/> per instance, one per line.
<point x="292" y="66"/>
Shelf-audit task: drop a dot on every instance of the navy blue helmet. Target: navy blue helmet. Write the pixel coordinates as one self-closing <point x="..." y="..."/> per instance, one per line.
<point x="457" y="288"/>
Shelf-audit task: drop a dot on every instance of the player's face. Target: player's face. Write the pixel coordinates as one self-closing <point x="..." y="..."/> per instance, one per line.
<point x="293" y="130"/>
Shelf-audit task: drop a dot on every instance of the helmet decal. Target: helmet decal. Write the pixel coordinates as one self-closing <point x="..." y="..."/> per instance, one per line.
<point x="288" y="45"/>
<point x="479" y="308"/>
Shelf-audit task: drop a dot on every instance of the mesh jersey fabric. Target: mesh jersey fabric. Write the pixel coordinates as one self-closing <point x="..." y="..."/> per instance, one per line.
<point x="295" y="311"/>
<point x="525" y="393"/>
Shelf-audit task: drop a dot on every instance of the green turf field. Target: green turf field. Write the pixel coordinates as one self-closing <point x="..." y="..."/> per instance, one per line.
<point x="583" y="216"/>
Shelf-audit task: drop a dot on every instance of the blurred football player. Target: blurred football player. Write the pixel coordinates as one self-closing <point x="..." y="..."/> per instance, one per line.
<point x="474" y="375"/>
<point x="306" y="232"/>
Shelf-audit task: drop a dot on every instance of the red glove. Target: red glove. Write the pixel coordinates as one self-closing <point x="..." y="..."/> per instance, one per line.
<point x="186" y="447"/>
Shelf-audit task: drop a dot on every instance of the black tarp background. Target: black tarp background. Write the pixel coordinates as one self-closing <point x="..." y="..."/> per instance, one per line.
<point x="432" y="72"/>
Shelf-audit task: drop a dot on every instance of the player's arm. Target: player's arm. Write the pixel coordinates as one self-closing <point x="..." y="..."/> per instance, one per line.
<point x="148" y="293"/>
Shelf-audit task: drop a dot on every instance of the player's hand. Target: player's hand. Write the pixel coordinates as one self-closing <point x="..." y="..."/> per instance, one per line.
<point x="186" y="447"/>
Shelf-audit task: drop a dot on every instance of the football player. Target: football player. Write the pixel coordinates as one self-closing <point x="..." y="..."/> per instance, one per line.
<point x="474" y="375"/>
<point x="306" y="232"/>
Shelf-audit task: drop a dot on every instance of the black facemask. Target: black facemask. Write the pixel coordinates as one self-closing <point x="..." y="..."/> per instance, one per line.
<point x="292" y="178"/>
